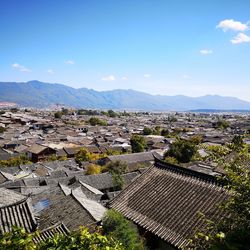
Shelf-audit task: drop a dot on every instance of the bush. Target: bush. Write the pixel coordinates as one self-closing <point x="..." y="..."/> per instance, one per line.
<point x="182" y="151"/>
<point x="122" y="230"/>
<point x="93" y="169"/>
<point x="222" y="124"/>
<point x="85" y="155"/>
<point x="15" y="161"/>
<point x="93" y="121"/>
<point x="138" y="143"/>
<point x="58" y="115"/>
<point x="171" y="160"/>
<point x="2" y="129"/>
<point x="196" y="139"/>
<point x="165" y="132"/>
<point x="116" y="169"/>
<point x="147" y="131"/>
<point x="18" y="239"/>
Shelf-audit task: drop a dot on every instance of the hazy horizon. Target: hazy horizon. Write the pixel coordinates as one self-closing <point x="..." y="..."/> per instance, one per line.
<point x="129" y="89"/>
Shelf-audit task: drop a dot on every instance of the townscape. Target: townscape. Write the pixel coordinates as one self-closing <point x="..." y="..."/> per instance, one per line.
<point x="66" y="168"/>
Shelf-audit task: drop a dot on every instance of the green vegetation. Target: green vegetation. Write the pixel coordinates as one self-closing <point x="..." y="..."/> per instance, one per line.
<point x="165" y="132"/>
<point x="171" y="160"/>
<point x="87" y="112"/>
<point x="237" y="143"/>
<point x="234" y="231"/>
<point x="182" y="151"/>
<point x="222" y="124"/>
<point x="147" y="131"/>
<point x="82" y="239"/>
<point x="138" y="143"/>
<point x="172" y="119"/>
<point x="112" y="113"/>
<point x="65" y="111"/>
<point x="121" y="229"/>
<point x="116" y="169"/>
<point x="2" y="129"/>
<point x="93" y="169"/>
<point x="85" y="155"/>
<point x="217" y="153"/>
<point x="15" y="161"/>
<point x="196" y="139"/>
<point x="58" y="115"/>
<point x="93" y="121"/>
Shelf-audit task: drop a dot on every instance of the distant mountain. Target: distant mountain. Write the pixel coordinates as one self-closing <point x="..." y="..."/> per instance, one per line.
<point x="39" y="94"/>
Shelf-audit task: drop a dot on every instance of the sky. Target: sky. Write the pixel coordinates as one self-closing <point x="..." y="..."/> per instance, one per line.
<point x="167" y="47"/>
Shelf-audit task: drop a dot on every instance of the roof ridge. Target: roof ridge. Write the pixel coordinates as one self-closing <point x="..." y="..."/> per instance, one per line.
<point x="187" y="172"/>
<point x="16" y="203"/>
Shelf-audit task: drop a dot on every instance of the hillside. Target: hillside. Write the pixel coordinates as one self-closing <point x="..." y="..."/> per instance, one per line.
<point x="39" y="94"/>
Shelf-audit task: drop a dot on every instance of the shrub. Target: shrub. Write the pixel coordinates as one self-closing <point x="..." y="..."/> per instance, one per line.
<point x="58" y="115"/>
<point x="182" y="151"/>
<point x="93" y="121"/>
<point x="138" y="143"/>
<point x="147" y="131"/>
<point x="93" y="169"/>
<point x="122" y="230"/>
<point x="116" y="169"/>
<point x="19" y="239"/>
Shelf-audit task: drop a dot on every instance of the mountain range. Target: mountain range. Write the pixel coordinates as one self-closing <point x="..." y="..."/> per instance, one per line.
<point x="41" y="95"/>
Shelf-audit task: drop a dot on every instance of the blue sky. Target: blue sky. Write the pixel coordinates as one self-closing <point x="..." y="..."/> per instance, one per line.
<point x="165" y="47"/>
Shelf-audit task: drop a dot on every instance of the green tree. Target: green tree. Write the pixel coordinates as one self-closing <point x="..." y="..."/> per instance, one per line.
<point x="82" y="239"/>
<point x="58" y="114"/>
<point x="138" y="143"/>
<point x="2" y="129"/>
<point x="117" y="169"/>
<point x="93" y="169"/>
<point x="233" y="232"/>
<point x="93" y="121"/>
<point x="222" y="124"/>
<point x="15" y="161"/>
<point x="196" y="139"/>
<point x="83" y="155"/>
<point x="147" y="131"/>
<point x="182" y="150"/>
<point x="17" y="239"/>
<point x="122" y="230"/>
<point x="111" y="113"/>
<point x="165" y="132"/>
<point x="237" y="143"/>
<point x="65" y="111"/>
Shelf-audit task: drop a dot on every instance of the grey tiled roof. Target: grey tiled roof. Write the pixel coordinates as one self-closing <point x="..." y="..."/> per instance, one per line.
<point x="58" y="228"/>
<point x="17" y="211"/>
<point x="166" y="200"/>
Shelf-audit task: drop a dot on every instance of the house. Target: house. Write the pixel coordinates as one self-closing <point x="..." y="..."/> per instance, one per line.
<point x="4" y="155"/>
<point x="37" y="152"/>
<point x="134" y="161"/>
<point x="165" y="202"/>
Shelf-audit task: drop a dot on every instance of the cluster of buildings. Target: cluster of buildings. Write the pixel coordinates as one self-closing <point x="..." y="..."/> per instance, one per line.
<point x="58" y="196"/>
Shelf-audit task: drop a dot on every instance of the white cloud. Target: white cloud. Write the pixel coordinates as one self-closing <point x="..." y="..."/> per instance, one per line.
<point x="241" y="38"/>
<point x="20" y="67"/>
<point x="146" y="75"/>
<point x="206" y="51"/>
<point x="109" y="78"/>
<point x="50" y="71"/>
<point x="69" y="62"/>
<point x="124" y="78"/>
<point x="230" y="24"/>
